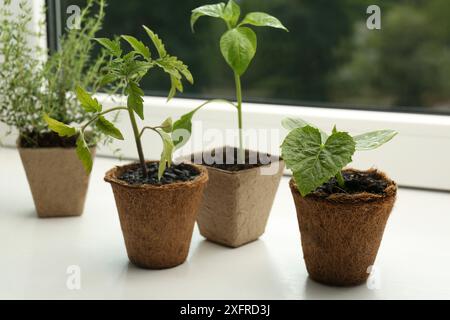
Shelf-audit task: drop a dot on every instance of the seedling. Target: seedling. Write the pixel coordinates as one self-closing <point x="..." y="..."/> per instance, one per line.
<point x="315" y="157"/>
<point x="128" y="69"/>
<point x="238" y="47"/>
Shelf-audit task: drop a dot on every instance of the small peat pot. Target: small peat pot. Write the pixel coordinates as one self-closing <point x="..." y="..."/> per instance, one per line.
<point x="341" y="232"/>
<point x="57" y="180"/>
<point x="157" y="217"/>
<point x="238" y="199"/>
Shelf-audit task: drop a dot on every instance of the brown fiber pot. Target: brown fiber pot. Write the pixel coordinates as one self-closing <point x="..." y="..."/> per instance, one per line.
<point x="157" y="221"/>
<point x="341" y="234"/>
<point x="237" y="205"/>
<point x="57" y="180"/>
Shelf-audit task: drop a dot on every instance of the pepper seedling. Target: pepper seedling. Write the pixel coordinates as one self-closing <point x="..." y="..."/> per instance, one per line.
<point x="238" y="47"/>
<point x="128" y="69"/>
<point x="315" y="157"/>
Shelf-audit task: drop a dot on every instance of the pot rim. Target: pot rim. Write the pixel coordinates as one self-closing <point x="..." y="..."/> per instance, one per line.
<point x="345" y="198"/>
<point x="189" y="157"/>
<point x="111" y="177"/>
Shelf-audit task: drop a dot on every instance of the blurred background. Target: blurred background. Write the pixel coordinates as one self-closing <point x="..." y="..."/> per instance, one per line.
<point x="329" y="58"/>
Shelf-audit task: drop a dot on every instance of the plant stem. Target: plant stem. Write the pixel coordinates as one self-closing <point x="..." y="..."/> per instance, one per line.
<point x="138" y="140"/>
<point x="237" y="80"/>
<point x="101" y="114"/>
<point x="340" y="180"/>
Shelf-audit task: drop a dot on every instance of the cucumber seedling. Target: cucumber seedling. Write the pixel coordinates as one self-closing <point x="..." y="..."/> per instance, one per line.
<point x="128" y="69"/>
<point x="315" y="157"/>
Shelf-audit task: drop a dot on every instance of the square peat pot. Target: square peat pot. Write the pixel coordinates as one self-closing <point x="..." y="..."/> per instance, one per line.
<point x="236" y="204"/>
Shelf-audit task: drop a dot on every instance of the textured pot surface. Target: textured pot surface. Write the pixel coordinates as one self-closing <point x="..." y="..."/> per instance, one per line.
<point x="57" y="180"/>
<point x="236" y="205"/>
<point x="341" y="234"/>
<point x="157" y="221"/>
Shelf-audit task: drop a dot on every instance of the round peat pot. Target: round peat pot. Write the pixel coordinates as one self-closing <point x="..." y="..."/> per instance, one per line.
<point x="57" y="180"/>
<point x="341" y="233"/>
<point x="157" y="221"/>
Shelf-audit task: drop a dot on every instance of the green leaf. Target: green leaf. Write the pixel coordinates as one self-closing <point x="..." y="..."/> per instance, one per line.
<point x="84" y="154"/>
<point x="60" y="128"/>
<point x="107" y="79"/>
<point x="113" y="46"/>
<point x="374" y="139"/>
<point x="312" y="162"/>
<point x="238" y="47"/>
<point x="210" y="10"/>
<point x="135" y="98"/>
<point x="167" y="153"/>
<point x="167" y="125"/>
<point x="157" y="42"/>
<point x="261" y="19"/>
<point x="87" y="102"/>
<point x="108" y="128"/>
<point x="176" y="69"/>
<point x="294" y="123"/>
<point x="232" y="13"/>
<point x="138" y="46"/>
<point x="182" y="129"/>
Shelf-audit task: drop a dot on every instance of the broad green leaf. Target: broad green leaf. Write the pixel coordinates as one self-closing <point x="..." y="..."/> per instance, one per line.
<point x="108" y="128"/>
<point x="374" y="139"/>
<point x="231" y="13"/>
<point x="167" y="153"/>
<point x="167" y="125"/>
<point x="294" y="123"/>
<point x="135" y="98"/>
<point x="182" y="129"/>
<point x="60" y="128"/>
<point x="261" y="19"/>
<point x="238" y="47"/>
<point x="88" y="103"/>
<point x="312" y="162"/>
<point x="113" y="46"/>
<point x="84" y="154"/>
<point x="210" y="10"/>
<point x="138" y="46"/>
<point x="157" y="42"/>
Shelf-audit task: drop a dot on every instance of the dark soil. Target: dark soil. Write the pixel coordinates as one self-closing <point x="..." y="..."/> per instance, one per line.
<point x="176" y="173"/>
<point x="356" y="182"/>
<point x="46" y="140"/>
<point x="233" y="164"/>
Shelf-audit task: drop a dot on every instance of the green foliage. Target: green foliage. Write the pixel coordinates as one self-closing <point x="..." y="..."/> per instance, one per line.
<point x="108" y="128"/>
<point x="60" y="128"/>
<point x="87" y="102"/>
<point x="315" y="158"/>
<point x="31" y="85"/>
<point x="135" y="98"/>
<point x="238" y="47"/>
<point x="261" y="19"/>
<point x="83" y="152"/>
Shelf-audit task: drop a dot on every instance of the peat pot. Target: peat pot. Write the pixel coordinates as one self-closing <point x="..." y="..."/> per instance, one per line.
<point x="236" y="204"/>
<point x="57" y="180"/>
<point x="157" y="221"/>
<point x="341" y="233"/>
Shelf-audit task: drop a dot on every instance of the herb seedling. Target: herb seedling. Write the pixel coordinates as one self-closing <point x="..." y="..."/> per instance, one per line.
<point x="128" y="69"/>
<point x="315" y="157"/>
<point x="238" y="47"/>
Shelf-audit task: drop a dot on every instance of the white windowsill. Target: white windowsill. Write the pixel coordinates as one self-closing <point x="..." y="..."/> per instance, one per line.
<point x="413" y="259"/>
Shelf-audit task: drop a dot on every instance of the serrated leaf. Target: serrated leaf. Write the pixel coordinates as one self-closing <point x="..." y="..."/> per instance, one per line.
<point x="84" y="154"/>
<point x="374" y="139"/>
<point x="107" y="79"/>
<point x="312" y="162"/>
<point x="238" y="47"/>
<point x="294" y="123"/>
<point x="113" y="46"/>
<point x="88" y="103"/>
<point x="210" y="10"/>
<point x="60" y="128"/>
<point x="108" y="128"/>
<point x="138" y="46"/>
<point x="231" y="13"/>
<point x="135" y="98"/>
<point x="157" y="42"/>
<point x="167" y="125"/>
<point x="167" y="153"/>
<point x="261" y="19"/>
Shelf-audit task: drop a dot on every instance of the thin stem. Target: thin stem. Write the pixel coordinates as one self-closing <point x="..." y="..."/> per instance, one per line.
<point x="101" y="114"/>
<point x="340" y="180"/>
<point x="137" y="138"/>
<point x="151" y="128"/>
<point x="237" y="81"/>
